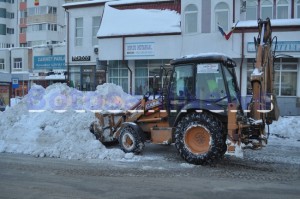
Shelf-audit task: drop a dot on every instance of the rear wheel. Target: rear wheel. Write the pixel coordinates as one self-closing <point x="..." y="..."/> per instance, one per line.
<point x="199" y="138"/>
<point x="130" y="140"/>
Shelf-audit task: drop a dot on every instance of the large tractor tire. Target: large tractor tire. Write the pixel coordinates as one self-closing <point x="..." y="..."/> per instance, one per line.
<point x="130" y="140"/>
<point x="199" y="138"/>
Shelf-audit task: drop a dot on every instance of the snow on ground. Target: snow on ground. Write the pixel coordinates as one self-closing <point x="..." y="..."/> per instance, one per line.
<point x="54" y="122"/>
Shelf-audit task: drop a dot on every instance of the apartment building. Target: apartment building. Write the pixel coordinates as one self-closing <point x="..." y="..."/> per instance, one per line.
<point x="8" y="23"/>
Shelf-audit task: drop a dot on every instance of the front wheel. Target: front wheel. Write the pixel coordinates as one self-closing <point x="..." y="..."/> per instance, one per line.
<point x="199" y="138"/>
<point x="130" y="140"/>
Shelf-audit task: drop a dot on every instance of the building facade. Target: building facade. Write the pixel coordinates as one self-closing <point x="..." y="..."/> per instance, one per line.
<point x="83" y="22"/>
<point x="8" y="23"/>
<point x="200" y="34"/>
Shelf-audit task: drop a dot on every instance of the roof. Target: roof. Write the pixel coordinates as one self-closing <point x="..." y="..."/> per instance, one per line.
<point x="117" y="23"/>
<point x="124" y="2"/>
<point x="274" y="23"/>
<point x="202" y="58"/>
<point x="84" y="3"/>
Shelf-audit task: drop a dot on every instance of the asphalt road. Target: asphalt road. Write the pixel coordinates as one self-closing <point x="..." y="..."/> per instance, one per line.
<point x="168" y="176"/>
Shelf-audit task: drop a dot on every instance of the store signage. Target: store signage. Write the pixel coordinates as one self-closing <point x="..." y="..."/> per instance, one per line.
<point x="81" y="58"/>
<point x="49" y="62"/>
<point x="15" y="83"/>
<point x="282" y="46"/>
<point x="138" y="49"/>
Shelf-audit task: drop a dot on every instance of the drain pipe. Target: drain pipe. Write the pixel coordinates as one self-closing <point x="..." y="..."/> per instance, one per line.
<point x="243" y="55"/>
<point x="123" y="61"/>
<point x="68" y="47"/>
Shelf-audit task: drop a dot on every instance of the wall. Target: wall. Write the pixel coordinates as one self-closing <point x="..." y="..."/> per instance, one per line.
<point x="87" y="49"/>
<point x="163" y="47"/>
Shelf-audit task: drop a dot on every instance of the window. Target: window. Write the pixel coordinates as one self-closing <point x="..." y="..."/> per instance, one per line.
<point x="78" y="31"/>
<point x="17" y="63"/>
<point x="147" y="74"/>
<point x="251" y="10"/>
<point x="95" y="28"/>
<point x="1" y="64"/>
<point x="282" y="9"/>
<point x="191" y="16"/>
<point x="141" y="77"/>
<point x="2" y="29"/>
<point x="52" y="27"/>
<point x="298" y="9"/>
<point x="266" y="9"/>
<point x="286" y="77"/>
<point x="182" y="83"/>
<point x="222" y="16"/>
<point x="250" y="68"/>
<point x="2" y="12"/>
<point x="23" y="30"/>
<point x="10" y="31"/>
<point x="118" y="74"/>
<point x="37" y="27"/>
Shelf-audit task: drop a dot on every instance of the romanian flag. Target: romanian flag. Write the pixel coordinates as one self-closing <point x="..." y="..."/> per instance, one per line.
<point x="36" y="2"/>
<point x="227" y="36"/>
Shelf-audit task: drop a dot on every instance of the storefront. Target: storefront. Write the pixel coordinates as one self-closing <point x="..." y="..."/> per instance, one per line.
<point x="86" y="77"/>
<point x="4" y="95"/>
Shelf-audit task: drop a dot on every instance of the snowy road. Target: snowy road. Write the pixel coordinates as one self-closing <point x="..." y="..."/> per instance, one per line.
<point x="158" y="173"/>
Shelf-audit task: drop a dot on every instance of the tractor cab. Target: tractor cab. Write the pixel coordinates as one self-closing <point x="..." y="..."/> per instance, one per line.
<point x="204" y="82"/>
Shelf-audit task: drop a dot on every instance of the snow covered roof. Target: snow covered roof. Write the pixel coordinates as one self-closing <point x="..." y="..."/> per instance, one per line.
<point x="123" y="2"/>
<point x="274" y="22"/>
<point x="81" y="3"/>
<point x="138" y="21"/>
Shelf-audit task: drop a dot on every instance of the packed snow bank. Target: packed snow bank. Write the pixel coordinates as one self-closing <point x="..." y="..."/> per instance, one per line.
<point x="285" y="130"/>
<point x="60" y="134"/>
<point x="61" y="97"/>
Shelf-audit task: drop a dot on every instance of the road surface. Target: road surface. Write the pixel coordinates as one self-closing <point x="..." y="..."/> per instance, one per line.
<point x="163" y="175"/>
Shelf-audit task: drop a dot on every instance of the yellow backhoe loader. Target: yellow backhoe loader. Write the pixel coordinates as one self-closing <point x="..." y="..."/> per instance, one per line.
<point x="199" y="107"/>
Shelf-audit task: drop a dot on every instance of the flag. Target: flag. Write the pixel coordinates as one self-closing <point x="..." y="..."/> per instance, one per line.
<point x="227" y="36"/>
<point x="36" y="2"/>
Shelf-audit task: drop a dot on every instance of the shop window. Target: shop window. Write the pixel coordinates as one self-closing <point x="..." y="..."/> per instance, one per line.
<point x="147" y="75"/>
<point x="17" y="63"/>
<point x="266" y="9"/>
<point x="286" y="72"/>
<point x="251" y="10"/>
<point x="2" y="64"/>
<point x="95" y="28"/>
<point x="75" y="77"/>
<point x="222" y="16"/>
<point x="118" y="74"/>
<point x="141" y="77"/>
<point x="78" y="31"/>
<point x="191" y="16"/>
<point x="282" y="9"/>
<point x="250" y="68"/>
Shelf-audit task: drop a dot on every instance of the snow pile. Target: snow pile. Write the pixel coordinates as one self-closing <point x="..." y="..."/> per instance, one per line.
<point x="65" y="134"/>
<point x="287" y="128"/>
<point x="61" y="97"/>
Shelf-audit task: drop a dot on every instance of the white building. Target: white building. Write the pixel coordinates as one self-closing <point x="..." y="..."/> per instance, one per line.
<point x="83" y="22"/>
<point x="41" y="22"/>
<point x="134" y="45"/>
<point x="8" y="24"/>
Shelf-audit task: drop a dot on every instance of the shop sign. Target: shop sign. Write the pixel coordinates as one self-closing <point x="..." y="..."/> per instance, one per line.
<point x="15" y="83"/>
<point x="49" y="62"/>
<point x="81" y="58"/>
<point x="138" y="49"/>
<point x="282" y="46"/>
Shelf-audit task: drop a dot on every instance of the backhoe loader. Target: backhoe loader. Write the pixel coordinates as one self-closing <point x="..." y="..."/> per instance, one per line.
<point x="199" y="107"/>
